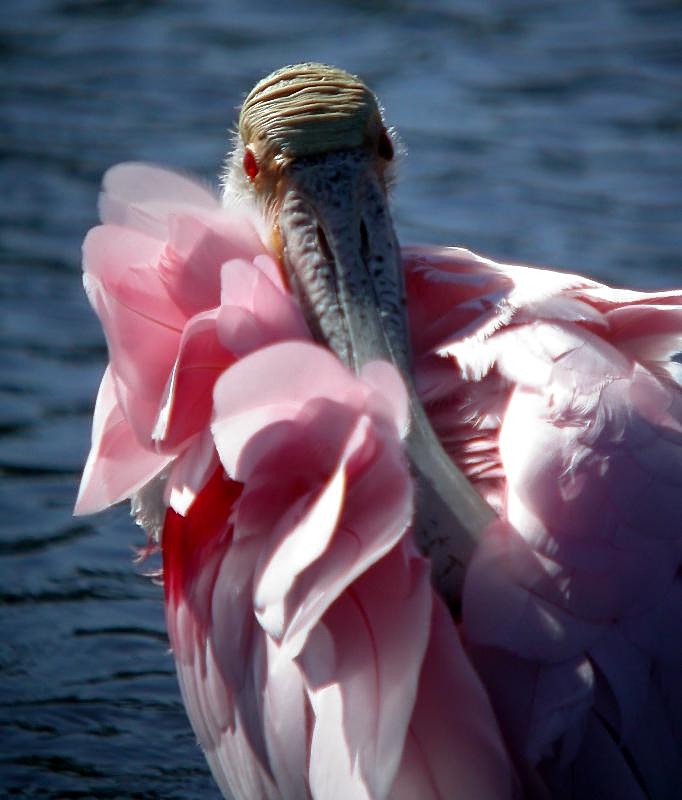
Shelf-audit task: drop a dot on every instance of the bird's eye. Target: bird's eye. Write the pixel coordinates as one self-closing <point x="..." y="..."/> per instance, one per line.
<point x="385" y="146"/>
<point x="250" y="165"/>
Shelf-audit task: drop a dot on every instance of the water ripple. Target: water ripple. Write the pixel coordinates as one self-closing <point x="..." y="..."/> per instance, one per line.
<point x="537" y="131"/>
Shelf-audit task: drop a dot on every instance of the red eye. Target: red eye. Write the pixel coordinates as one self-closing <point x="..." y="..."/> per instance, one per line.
<point x="385" y="146"/>
<point x="250" y="165"/>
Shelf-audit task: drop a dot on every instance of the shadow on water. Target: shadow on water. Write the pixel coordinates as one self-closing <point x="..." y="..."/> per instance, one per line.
<point x="537" y="131"/>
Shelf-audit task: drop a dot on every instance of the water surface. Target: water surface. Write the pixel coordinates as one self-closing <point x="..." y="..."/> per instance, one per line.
<point x="543" y="132"/>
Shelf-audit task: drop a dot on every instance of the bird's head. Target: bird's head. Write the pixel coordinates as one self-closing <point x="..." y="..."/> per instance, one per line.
<point x="315" y="156"/>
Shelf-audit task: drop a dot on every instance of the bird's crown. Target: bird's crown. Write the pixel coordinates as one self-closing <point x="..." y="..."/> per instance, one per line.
<point x="309" y="109"/>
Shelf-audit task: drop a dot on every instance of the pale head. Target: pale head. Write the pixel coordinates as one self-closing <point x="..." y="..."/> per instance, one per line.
<point x="314" y="155"/>
<point x="307" y="110"/>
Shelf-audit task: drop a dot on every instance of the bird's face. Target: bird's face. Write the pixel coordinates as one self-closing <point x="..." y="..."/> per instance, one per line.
<point x="315" y="155"/>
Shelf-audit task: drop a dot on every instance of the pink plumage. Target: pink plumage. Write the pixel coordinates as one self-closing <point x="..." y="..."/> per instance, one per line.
<point x="565" y="409"/>
<point x="313" y="655"/>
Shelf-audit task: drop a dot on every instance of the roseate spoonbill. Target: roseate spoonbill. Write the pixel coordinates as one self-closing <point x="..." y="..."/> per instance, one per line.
<point x="296" y="409"/>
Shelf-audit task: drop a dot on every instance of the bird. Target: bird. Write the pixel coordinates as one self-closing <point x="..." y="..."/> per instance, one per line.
<point x="419" y="511"/>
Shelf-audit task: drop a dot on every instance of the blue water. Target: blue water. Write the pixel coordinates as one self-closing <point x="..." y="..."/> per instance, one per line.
<point x="544" y="132"/>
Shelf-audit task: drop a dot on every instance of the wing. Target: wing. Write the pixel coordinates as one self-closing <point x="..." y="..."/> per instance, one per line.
<point x="560" y="399"/>
<point x="309" y="646"/>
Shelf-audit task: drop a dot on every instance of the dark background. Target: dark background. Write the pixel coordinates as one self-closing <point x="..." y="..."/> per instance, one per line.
<point x="544" y="132"/>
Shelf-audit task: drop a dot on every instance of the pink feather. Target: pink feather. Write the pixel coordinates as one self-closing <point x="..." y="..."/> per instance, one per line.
<point x="567" y="388"/>
<point x="313" y="657"/>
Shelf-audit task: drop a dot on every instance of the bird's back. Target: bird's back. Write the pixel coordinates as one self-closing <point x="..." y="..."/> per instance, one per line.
<point x="561" y="400"/>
